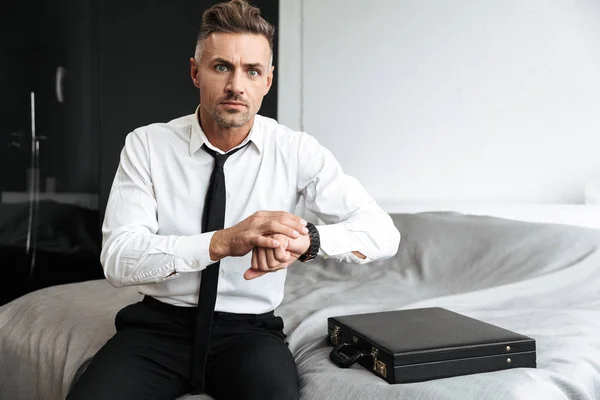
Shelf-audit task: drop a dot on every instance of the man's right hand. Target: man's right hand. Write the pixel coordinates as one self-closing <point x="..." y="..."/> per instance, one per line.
<point x="241" y="238"/>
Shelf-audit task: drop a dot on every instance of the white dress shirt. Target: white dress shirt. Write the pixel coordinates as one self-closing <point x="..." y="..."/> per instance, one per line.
<point x="152" y="234"/>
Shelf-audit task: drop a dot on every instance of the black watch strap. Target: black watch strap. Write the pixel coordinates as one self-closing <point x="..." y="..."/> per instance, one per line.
<point x="315" y="244"/>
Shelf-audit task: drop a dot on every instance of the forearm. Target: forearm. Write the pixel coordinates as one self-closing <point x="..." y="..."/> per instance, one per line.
<point x="355" y="228"/>
<point x="368" y="235"/>
<point x="219" y="245"/>
<point x="134" y="257"/>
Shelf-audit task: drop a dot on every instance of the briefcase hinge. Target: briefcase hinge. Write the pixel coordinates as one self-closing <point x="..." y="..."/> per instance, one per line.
<point x="335" y="335"/>
<point x="378" y="366"/>
<point x="374" y="353"/>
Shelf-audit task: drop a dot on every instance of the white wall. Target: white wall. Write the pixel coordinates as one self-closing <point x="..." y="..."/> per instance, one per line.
<point x="452" y="100"/>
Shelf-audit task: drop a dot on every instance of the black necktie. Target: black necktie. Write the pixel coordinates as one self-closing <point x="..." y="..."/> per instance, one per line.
<point x="213" y="219"/>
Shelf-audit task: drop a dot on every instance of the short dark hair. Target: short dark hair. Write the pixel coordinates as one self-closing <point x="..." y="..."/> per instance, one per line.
<point x="235" y="16"/>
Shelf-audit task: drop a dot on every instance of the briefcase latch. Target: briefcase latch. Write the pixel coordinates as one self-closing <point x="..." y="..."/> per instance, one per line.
<point x="378" y="366"/>
<point x="335" y="335"/>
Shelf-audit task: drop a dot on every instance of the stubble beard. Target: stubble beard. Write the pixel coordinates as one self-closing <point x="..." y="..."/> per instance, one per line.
<point x="231" y="118"/>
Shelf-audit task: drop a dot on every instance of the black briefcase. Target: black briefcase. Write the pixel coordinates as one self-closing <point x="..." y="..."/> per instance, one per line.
<point x="427" y="343"/>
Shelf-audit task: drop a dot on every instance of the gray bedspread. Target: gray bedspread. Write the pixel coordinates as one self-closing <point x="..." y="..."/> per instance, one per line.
<point x="540" y="280"/>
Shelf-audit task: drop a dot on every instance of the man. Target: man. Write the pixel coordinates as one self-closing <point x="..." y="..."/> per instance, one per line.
<point x="207" y="238"/>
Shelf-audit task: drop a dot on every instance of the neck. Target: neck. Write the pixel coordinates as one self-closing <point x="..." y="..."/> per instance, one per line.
<point x="223" y="139"/>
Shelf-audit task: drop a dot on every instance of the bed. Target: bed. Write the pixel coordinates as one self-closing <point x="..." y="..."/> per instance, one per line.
<point x="533" y="269"/>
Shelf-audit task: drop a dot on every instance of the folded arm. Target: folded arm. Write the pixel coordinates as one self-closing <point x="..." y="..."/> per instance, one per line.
<point x="133" y="253"/>
<point x="355" y="228"/>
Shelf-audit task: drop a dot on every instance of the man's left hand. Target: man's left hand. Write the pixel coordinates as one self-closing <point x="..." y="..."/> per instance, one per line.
<point x="266" y="260"/>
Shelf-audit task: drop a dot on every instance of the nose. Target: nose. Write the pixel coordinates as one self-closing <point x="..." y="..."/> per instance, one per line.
<point x="235" y="86"/>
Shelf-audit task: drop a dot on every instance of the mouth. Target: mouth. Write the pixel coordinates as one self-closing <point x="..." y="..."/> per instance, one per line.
<point x="233" y="104"/>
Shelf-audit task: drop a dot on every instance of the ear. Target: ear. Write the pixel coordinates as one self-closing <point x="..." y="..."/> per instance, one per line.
<point x="270" y="79"/>
<point x="194" y="72"/>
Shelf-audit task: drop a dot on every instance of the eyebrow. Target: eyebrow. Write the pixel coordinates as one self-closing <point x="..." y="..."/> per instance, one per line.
<point x="230" y="65"/>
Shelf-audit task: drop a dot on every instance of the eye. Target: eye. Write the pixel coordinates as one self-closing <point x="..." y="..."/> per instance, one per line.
<point x="221" y="68"/>
<point x="254" y="73"/>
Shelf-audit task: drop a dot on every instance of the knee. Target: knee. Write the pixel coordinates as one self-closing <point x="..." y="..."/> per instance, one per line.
<point x="266" y="382"/>
<point x="277" y="390"/>
<point x="286" y="395"/>
<point x="281" y="384"/>
<point x="71" y="395"/>
<point x="79" y="373"/>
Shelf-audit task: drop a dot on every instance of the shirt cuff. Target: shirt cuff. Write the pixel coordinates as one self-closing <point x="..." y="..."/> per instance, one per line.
<point x="335" y="240"/>
<point x="192" y="253"/>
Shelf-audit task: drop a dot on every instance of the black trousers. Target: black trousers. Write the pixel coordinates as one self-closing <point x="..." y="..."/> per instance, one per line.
<point x="150" y="357"/>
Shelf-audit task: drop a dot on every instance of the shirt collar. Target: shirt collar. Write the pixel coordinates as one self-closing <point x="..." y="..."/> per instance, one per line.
<point x="198" y="137"/>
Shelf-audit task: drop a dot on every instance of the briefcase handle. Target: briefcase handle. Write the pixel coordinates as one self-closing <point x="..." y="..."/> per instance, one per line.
<point x="341" y="359"/>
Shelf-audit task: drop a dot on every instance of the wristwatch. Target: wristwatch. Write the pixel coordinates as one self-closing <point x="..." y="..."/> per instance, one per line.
<point x="315" y="244"/>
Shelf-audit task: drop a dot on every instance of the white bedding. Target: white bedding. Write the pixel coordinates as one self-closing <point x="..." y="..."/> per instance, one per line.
<point x="536" y="279"/>
<point x="560" y="310"/>
<point x="585" y="215"/>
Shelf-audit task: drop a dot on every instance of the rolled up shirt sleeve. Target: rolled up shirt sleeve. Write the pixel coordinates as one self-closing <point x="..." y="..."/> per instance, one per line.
<point x="353" y="221"/>
<point x="132" y="251"/>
